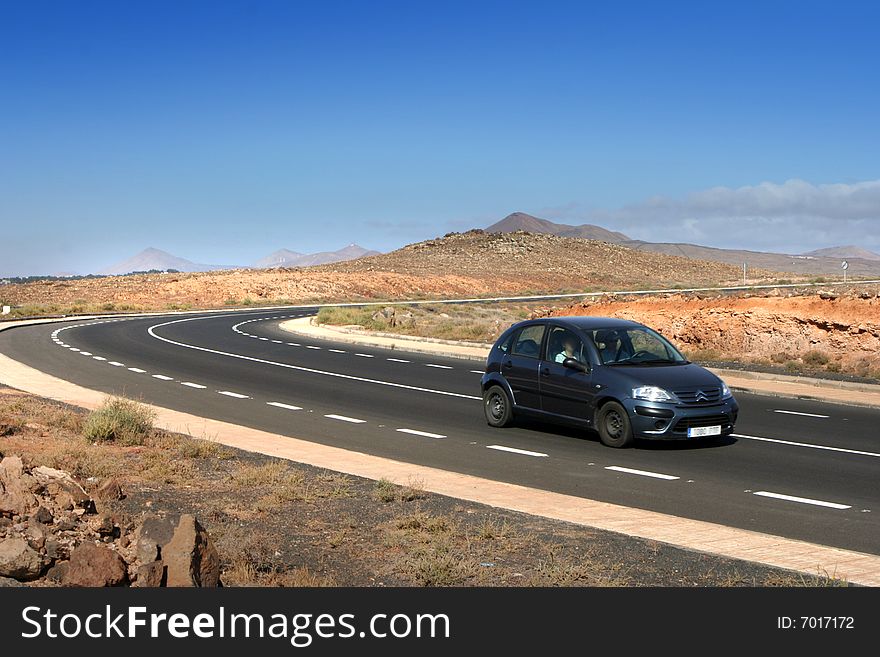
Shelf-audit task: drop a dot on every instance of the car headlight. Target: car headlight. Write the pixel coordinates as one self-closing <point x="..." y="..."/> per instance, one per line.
<point x="725" y="391"/>
<point x="651" y="393"/>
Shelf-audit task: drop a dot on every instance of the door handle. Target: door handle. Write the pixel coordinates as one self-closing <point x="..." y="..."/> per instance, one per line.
<point x="545" y="371"/>
<point x="508" y="363"/>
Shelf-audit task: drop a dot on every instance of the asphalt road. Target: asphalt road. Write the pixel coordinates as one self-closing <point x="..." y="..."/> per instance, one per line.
<point x="795" y="468"/>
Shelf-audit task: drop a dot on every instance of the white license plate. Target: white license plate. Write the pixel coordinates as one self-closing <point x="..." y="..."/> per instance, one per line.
<point x="699" y="432"/>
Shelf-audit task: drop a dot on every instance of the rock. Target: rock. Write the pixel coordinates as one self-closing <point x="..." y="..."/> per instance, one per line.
<point x="53" y="549"/>
<point x="110" y="491"/>
<point x="190" y="558"/>
<point x="16" y="502"/>
<point x="9" y="583"/>
<point x="153" y="532"/>
<point x="58" y="572"/>
<point x="36" y="534"/>
<point x="43" y="515"/>
<point x="95" y="566"/>
<point x="11" y="469"/>
<point x="19" y="560"/>
<point x="103" y="525"/>
<point x="150" y="575"/>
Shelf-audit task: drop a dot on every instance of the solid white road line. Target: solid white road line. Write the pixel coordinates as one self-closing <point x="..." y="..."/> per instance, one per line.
<point x="116" y="363"/>
<point x="365" y="355"/>
<point x="137" y="370"/>
<point x="397" y="360"/>
<point x="237" y="395"/>
<point x="162" y="377"/>
<point x="439" y="367"/>
<point x="188" y="384"/>
<point x="779" y="410"/>
<point x="514" y="450"/>
<point x="643" y="473"/>
<point x="289" y="407"/>
<point x="791" y="442"/>
<point x="426" y="434"/>
<point x="152" y="331"/>
<point x="802" y="500"/>
<point x="344" y="418"/>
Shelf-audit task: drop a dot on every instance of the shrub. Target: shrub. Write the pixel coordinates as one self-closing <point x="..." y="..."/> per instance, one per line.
<point x="119" y="420"/>
<point x="794" y="366"/>
<point x="815" y="358"/>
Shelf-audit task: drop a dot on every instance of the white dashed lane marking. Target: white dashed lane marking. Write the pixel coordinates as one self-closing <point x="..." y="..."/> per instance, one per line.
<point x="309" y="346"/>
<point x="337" y="351"/>
<point x="137" y="370"/>
<point x="439" y="367"/>
<point x="643" y="473"/>
<point x="116" y="363"/>
<point x="98" y="358"/>
<point x="365" y="355"/>
<point x="85" y="353"/>
<point x="795" y="444"/>
<point x="345" y="418"/>
<point x="802" y="500"/>
<point x="162" y="377"/>
<point x="477" y="372"/>
<point x="425" y="434"/>
<point x="779" y="410"/>
<point x="237" y="395"/>
<point x="289" y="407"/>
<point x="73" y="348"/>
<point x="189" y="384"/>
<point x="397" y="360"/>
<point x="514" y="450"/>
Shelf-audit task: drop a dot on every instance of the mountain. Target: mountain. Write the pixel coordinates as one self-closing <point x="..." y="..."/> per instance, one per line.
<point x="841" y="252"/>
<point x="522" y="221"/>
<point x="825" y="262"/>
<point x="151" y="258"/>
<point x="287" y="258"/>
<point x="279" y="258"/>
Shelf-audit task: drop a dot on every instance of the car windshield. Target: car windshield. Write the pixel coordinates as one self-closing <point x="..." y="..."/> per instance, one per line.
<point x="635" y="346"/>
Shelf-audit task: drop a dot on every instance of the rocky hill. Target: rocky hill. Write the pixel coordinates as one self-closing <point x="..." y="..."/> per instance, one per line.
<point x="475" y="263"/>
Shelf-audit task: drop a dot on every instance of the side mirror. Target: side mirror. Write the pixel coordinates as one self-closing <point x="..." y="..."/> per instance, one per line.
<point x="574" y="364"/>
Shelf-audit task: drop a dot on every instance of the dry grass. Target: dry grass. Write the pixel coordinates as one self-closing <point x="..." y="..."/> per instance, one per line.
<point x="119" y="420"/>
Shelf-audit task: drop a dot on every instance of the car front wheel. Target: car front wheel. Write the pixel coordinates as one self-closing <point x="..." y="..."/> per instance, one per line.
<point x="497" y="406"/>
<point x="615" y="429"/>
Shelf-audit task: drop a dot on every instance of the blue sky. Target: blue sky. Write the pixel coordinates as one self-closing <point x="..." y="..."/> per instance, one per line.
<point x="221" y="131"/>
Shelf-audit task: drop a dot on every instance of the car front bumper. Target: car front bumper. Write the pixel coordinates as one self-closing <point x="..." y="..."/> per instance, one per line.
<point x="666" y="421"/>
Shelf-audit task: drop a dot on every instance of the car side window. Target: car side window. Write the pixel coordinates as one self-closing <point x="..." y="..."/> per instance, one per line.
<point x="528" y="342"/>
<point x="504" y="344"/>
<point x="563" y="343"/>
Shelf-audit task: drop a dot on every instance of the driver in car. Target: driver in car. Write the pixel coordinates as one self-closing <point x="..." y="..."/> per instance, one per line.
<point x="569" y="347"/>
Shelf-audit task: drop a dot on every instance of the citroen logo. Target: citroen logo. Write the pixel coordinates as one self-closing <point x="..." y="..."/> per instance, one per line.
<point x="701" y="396"/>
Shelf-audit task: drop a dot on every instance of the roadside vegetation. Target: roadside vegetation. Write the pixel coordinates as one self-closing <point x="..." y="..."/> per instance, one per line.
<point x="468" y="322"/>
<point x="279" y="523"/>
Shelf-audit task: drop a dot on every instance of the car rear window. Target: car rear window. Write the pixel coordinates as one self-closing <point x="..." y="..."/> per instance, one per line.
<point x="528" y="342"/>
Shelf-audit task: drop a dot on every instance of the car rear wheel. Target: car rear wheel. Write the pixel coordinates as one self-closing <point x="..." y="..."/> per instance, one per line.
<point x="497" y="406"/>
<point x="615" y="429"/>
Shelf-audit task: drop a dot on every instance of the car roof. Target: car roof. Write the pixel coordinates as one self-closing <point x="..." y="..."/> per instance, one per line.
<point x="587" y="323"/>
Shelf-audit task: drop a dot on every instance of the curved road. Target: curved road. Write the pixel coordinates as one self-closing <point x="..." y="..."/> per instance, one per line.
<point x="799" y="469"/>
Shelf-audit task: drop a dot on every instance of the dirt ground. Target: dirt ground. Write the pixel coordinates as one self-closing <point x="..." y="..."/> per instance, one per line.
<point x="277" y="523"/>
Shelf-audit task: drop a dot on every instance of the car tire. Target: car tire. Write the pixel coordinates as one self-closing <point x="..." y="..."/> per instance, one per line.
<point x="497" y="407"/>
<point x="615" y="429"/>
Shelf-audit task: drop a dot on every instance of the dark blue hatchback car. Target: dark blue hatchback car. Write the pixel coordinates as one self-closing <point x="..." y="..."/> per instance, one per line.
<point x="618" y="377"/>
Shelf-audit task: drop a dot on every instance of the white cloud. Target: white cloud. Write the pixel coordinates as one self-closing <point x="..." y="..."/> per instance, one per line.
<point x="792" y="217"/>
